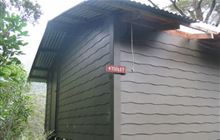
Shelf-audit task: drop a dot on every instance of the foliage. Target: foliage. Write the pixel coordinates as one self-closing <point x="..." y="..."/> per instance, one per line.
<point x="207" y="11"/>
<point x="11" y="33"/>
<point x="35" y="127"/>
<point x="26" y="9"/>
<point x="15" y="106"/>
<point x="12" y="28"/>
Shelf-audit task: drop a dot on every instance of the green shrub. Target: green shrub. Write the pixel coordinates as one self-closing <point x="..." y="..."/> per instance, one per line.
<point x="15" y="106"/>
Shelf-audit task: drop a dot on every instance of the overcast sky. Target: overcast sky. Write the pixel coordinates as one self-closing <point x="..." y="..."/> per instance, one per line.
<point x="50" y="9"/>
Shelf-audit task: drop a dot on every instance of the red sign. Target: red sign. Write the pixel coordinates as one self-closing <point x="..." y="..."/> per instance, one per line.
<point x="115" y="69"/>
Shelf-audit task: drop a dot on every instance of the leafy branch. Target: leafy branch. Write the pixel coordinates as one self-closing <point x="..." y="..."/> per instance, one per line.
<point x="11" y="34"/>
<point x="26" y="9"/>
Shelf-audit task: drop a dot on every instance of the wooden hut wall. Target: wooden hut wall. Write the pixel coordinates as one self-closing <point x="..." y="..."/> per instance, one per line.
<point x="50" y="114"/>
<point x="85" y="91"/>
<point x="48" y="102"/>
<point x="173" y="92"/>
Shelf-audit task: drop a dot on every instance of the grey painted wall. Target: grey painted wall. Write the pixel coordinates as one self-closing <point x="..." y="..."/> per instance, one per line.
<point x="85" y="90"/>
<point x="48" y="107"/>
<point x="50" y="114"/>
<point x="173" y="92"/>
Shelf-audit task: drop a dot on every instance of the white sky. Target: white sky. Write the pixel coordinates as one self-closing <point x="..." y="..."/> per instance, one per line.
<point x="50" y="9"/>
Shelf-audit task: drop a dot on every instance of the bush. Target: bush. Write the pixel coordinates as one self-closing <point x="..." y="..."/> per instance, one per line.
<point x="15" y="106"/>
<point x="35" y="126"/>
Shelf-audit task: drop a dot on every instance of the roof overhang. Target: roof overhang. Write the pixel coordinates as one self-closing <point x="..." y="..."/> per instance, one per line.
<point x="207" y="35"/>
<point x="196" y="31"/>
<point x="64" y="25"/>
<point x="212" y="43"/>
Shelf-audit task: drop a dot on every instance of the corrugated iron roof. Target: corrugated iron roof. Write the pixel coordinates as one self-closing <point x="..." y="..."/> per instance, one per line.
<point x="93" y="8"/>
<point x="58" y="28"/>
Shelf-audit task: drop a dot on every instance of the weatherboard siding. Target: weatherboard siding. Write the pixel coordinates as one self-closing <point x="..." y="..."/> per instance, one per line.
<point x="53" y="100"/>
<point x="84" y="103"/>
<point x="173" y="92"/>
<point x="48" y="103"/>
<point x="50" y="114"/>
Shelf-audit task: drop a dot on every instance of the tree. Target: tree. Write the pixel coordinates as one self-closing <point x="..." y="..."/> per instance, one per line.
<point x="14" y="104"/>
<point x="26" y="9"/>
<point x="12" y="27"/>
<point x="207" y="11"/>
<point x="11" y="33"/>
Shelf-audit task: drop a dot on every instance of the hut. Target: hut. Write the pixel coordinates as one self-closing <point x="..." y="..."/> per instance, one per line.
<point x="115" y="72"/>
